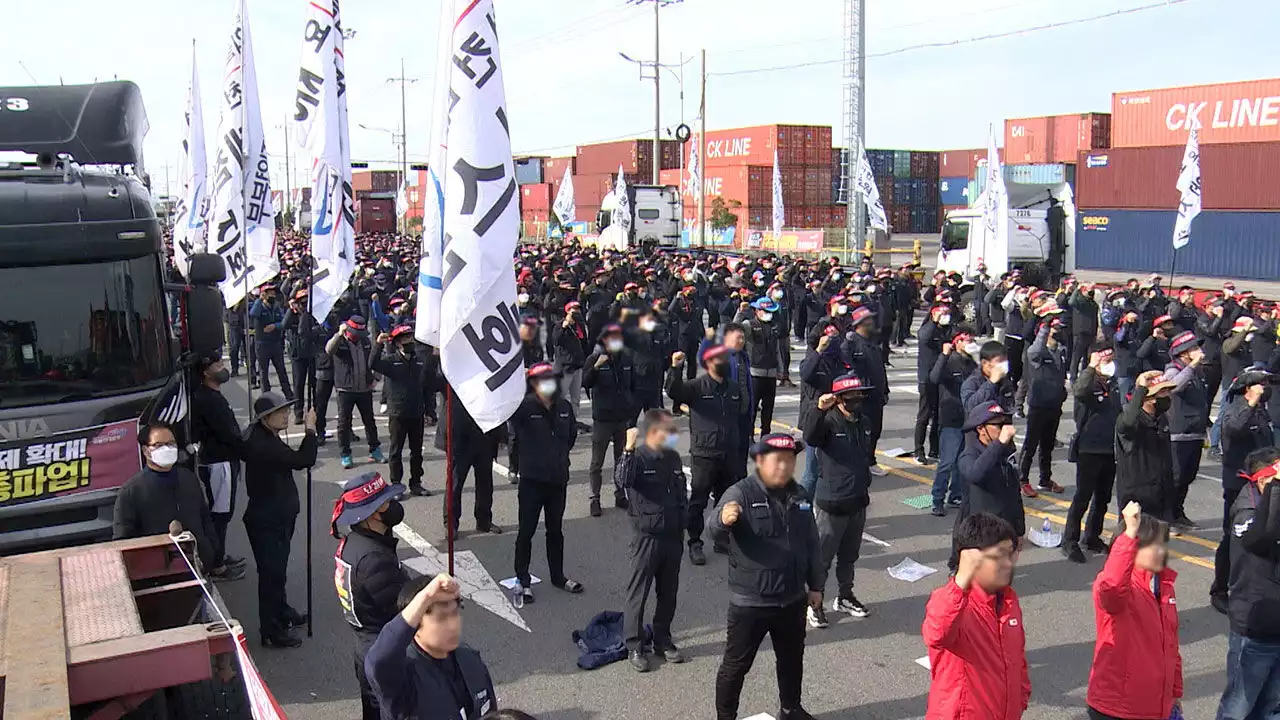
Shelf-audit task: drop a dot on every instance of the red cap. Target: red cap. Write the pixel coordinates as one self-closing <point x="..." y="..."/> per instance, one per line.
<point x="847" y="383"/>
<point x="631" y="286"/>
<point x="542" y="370"/>
<point x="402" y="330"/>
<point x="572" y="305"/>
<point x="713" y="352"/>
<point x="861" y="315"/>
<point x="1161" y="320"/>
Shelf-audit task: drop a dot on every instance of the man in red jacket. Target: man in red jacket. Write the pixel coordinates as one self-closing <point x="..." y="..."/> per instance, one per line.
<point x="973" y="629"/>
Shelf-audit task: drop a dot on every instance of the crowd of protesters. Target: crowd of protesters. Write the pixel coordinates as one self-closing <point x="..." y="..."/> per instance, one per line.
<point x="1154" y="376"/>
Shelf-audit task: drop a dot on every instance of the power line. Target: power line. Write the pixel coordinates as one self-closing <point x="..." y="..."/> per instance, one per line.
<point x="964" y="41"/>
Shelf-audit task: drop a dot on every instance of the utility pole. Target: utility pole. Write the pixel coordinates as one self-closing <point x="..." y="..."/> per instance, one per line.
<point x="657" y="95"/>
<point x="701" y="147"/>
<point x="403" y="160"/>
<point x="288" y="177"/>
<point x="855" y="27"/>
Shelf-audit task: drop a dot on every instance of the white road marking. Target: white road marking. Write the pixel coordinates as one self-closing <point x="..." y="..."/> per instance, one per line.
<point x="907" y="389"/>
<point x="924" y="663"/>
<point x="874" y="540"/>
<point x="476" y="582"/>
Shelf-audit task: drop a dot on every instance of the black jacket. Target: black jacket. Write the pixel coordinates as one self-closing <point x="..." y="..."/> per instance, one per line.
<point x="1189" y="412"/>
<point x="306" y="337"/>
<point x="466" y="437"/>
<point x="268" y="474"/>
<point x="773" y="547"/>
<point x="763" y="348"/>
<point x="412" y="684"/>
<point x="949" y="373"/>
<point x="977" y="390"/>
<point x="1212" y="331"/>
<point x="714" y="411"/>
<point x="571" y="346"/>
<point x="845" y="456"/>
<point x="1084" y="314"/>
<point x="652" y="354"/>
<point x="542" y="438"/>
<point x="992" y="479"/>
<point x="150" y="500"/>
<point x="1244" y="429"/>
<point x="408" y="381"/>
<point x="818" y="370"/>
<point x="1046" y="373"/>
<point x="657" y="497"/>
<point x="1255" y="563"/>
<point x="1236" y="355"/>
<point x="1097" y="408"/>
<point x="215" y="427"/>
<point x="863" y="356"/>
<point x="929" y="342"/>
<point x="1144" y="455"/>
<point x="351" y="369"/>
<point x="612" y="386"/>
<point x="368" y="564"/>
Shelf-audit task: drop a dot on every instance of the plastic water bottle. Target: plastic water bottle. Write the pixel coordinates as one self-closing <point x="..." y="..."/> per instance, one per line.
<point x="1046" y="528"/>
<point x="517" y="597"/>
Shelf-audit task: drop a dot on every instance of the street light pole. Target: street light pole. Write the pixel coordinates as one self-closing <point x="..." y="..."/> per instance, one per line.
<point x="657" y="95"/>
<point x="702" y="161"/>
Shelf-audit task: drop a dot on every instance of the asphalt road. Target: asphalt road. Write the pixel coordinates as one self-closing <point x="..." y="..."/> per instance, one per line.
<point x="863" y="668"/>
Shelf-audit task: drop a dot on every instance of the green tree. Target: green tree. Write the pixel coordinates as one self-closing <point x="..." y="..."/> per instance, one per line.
<point x="722" y="217"/>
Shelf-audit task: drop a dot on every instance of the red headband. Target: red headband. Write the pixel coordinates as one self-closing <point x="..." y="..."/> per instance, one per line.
<point x="355" y="496"/>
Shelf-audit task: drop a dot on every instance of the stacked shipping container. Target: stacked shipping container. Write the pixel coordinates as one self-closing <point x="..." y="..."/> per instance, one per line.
<point x="1054" y="138"/>
<point x="908" y="185"/>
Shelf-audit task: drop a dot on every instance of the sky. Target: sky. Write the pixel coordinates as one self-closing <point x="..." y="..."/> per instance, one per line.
<point x="567" y="85"/>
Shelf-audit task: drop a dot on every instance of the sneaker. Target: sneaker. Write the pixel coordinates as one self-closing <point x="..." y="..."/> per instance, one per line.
<point x="878" y="471"/>
<point x="1215" y="453"/>
<point x="1185" y="524"/>
<point x="1051" y="486"/>
<point x="1020" y="414"/>
<point x="1096" y="546"/>
<point x="922" y="459"/>
<point x="377" y="456"/>
<point x="695" y="554"/>
<point x="620" y="502"/>
<point x="955" y="503"/>
<point x="228" y="573"/>
<point x="1219" y="602"/>
<point x="934" y="455"/>
<point x="418" y="491"/>
<point x="794" y="714"/>
<point x="639" y="661"/>
<point x="281" y="639"/>
<point x="817" y="618"/>
<point x="1028" y="491"/>
<point x="1072" y="552"/>
<point x="595" y="507"/>
<point x="850" y="605"/>
<point x="673" y="655"/>
<point x="382" y="409"/>
<point x="491" y="528"/>
<point x="938" y="511"/>
<point x="347" y="462"/>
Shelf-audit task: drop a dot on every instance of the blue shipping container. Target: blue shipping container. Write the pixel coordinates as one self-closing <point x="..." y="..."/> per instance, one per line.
<point x="1050" y="174"/>
<point x="881" y="162"/>
<point x="924" y="192"/>
<point x="902" y="193"/>
<point x="1244" y="245"/>
<point x="954" y="191"/>
<point x="529" y="171"/>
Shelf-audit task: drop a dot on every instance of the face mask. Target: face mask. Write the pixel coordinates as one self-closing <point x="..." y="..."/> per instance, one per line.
<point x="851" y="404"/>
<point x="613" y="346"/>
<point x="972" y="349"/>
<point x="648" y="325"/>
<point x="836" y="276"/>
<point x="688" y="277"/>
<point x="221" y="376"/>
<point x="721" y="369"/>
<point x="394" y="514"/>
<point x="165" y="456"/>
<point x="776" y="294"/>
<point x="672" y="441"/>
<point x="546" y="388"/>
<point x="766" y="316"/>
<point x="872" y="290"/>
<point x="1003" y="365"/>
<point x="841" y="309"/>
<point x="1162" y="405"/>
<point x="944" y="320"/>
<point x="523" y="298"/>
<point x="1108" y="369"/>
<point x="408" y="350"/>
<point x="1118" y="303"/>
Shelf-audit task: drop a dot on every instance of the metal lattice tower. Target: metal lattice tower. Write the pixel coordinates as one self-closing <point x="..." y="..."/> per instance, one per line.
<point x="855" y="46"/>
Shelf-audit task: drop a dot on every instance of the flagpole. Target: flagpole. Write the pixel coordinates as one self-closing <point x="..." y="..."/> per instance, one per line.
<point x="450" y="525"/>
<point x="309" y="402"/>
<point x="248" y="353"/>
<point x="1173" y="265"/>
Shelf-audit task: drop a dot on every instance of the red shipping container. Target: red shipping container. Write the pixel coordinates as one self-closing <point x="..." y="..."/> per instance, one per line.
<point x="751" y="186"/>
<point x="817" y="185"/>
<point x="1073" y="133"/>
<point x="591" y="189"/>
<point x="1027" y="140"/>
<point x="1238" y="112"/>
<point x="960" y="163"/>
<point x="1241" y="176"/>
<point x="535" y="197"/>
<point x="795" y="145"/>
<point x="634" y="156"/>
<point x="839" y="216"/>
<point x="553" y="168"/>
<point x="587" y="214"/>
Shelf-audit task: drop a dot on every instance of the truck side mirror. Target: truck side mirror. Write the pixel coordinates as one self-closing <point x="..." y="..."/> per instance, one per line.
<point x="204" y="306"/>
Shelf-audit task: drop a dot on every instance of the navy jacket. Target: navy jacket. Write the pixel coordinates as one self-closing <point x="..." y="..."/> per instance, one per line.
<point x="1097" y="407"/>
<point x="992" y="479"/>
<point x="845" y="455"/>
<point x="411" y="684"/>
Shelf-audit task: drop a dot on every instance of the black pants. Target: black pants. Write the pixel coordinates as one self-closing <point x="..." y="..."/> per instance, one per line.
<point x="1231" y="487"/>
<point x="886" y="334"/>
<point x="689" y="346"/>
<point x="903" y="327"/>
<point x="784" y="349"/>
<point x="1095" y="477"/>
<point x="927" y="418"/>
<point x="655" y="560"/>
<point x="541" y="499"/>
<point x="221" y="520"/>
<point x="710" y="477"/>
<point x="304" y="376"/>
<point x="404" y="429"/>
<point x="269" y="357"/>
<point x="1016" y="347"/>
<point x="649" y="393"/>
<point x="370" y="709"/>
<point x="764" y="392"/>
<point x="1095" y="715"/>
<point x="239" y="351"/>
<point x="324" y="391"/>
<point x="481" y="459"/>
<point x="873" y="413"/>
<point x="270" y="540"/>
<point x="603" y="433"/>
<point x="1042" y="429"/>
<point x="1212" y="380"/>
<point x="1186" y="464"/>
<point x="746" y="629"/>
<point x="429" y="407"/>
<point x="348" y="401"/>
<point x="1081" y="348"/>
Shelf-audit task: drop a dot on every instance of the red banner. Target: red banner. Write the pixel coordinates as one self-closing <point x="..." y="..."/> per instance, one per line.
<point x="95" y="458"/>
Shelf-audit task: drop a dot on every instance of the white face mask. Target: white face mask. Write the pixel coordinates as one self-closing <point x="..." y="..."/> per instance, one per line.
<point x="841" y="309"/>
<point x="766" y="316"/>
<point x="871" y="289"/>
<point x="613" y="345"/>
<point x="523" y="298"/>
<point x="164" y="456"/>
<point x="776" y="294"/>
<point x="648" y="325"/>
<point x="1004" y="366"/>
<point x="972" y="349"/>
<point x="836" y="277"/>
<point x="546" y="388"/>
<point x="1108" y="369"/>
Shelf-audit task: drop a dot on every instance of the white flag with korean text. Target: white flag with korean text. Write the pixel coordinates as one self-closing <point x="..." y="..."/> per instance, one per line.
<point x="241" y="219"/>
<point x="779" y="211"/>
<point x="402" y="200"/>
<point x="190" y="233"/>
<point x="478" y="321"/>
<point x="866" y="185"/>
<point x="621" y="215"/>
<point x="320" y="110"/>
<point x="1189" y="186"/>
<point x="695" y="168"/>
<point x="431" y="265"/>
<point x="565" y="207"/>
<point x="994" y="200"/>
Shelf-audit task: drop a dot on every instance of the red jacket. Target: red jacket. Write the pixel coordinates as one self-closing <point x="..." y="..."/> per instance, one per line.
<point x="977" y="655"/>
<point x="1137" y="667"/>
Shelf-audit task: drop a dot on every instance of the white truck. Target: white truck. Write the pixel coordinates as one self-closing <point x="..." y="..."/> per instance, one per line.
<point x="656" y="213"/>
<point x="1034" y="231"/>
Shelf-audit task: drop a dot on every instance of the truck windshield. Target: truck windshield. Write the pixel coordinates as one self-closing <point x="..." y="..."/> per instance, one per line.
<point x="955" y="236"/>
<point x="71" y="332"/>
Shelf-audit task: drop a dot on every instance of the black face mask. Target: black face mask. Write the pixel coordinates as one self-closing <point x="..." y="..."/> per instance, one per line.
<point x="721" y="369"/>
<point x="221" y="376"/>
<point x="394" y="514"/>
<point x="408" y="350"/>
<point x="852" y="404"/>
<point x="1266" y="395"/>
<point x="1163" y="404"/>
